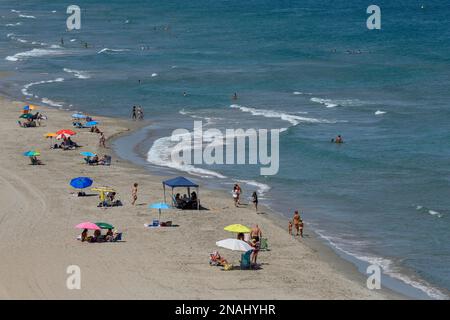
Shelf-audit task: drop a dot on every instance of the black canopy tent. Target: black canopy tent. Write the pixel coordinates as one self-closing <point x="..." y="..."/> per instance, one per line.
<point x="181" y="182"/>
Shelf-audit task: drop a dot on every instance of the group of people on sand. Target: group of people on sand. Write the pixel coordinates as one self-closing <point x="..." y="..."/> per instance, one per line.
<point x="95" y="160"/>
<point x="110" y="236"/>
<point x="297" y="223"/>
<point x="66" y="144"/>
<point x="254" y="241"/>
<point x="237" y="193"/>
<point x="185" y="202"/>
<point x="137" y="113"/>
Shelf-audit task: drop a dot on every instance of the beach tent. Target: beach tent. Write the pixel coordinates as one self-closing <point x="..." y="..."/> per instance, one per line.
<point x="181" y="182"/>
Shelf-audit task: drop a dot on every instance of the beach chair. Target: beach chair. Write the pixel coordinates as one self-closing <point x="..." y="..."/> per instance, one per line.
<point x="118" y="237"/>
<point x="245" y="260"/>
<point x="107" y="161"/>
<point x="264" y="245"/>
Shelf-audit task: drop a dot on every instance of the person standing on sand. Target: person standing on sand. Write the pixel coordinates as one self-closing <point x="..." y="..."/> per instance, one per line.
<point x="102" y="141"/>
<point x="133" y="113"/>
<point x="256" y="233"/>
<point x="238" y="192"/>
<point x="235" y="195"/>
<point x="301" y="228"/>
<point x="134" y="191"/>
<point x="290" y="227"/>
<point x="255" y="200"/>
<point x="296" y="219"/>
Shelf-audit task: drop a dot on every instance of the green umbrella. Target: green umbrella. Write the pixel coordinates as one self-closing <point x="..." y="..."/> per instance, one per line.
<point x="104" y="225"/>
<point x="26" y="116"/>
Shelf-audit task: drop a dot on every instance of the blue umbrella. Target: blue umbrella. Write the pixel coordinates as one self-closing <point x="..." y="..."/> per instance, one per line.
<point x="87" y="154"/>
<point x="78" y="116"/>
<point x="81" y="182"/>
<point x="31" y="153"/>
<point x="26" y="108"/>
<point x="91" y="123"/>
<point x="159" y="206"/>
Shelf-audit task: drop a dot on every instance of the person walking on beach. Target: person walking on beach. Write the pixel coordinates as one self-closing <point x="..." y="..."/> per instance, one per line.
<point x="134" y="191"/>
<point x="235" y="195"/>
<point x="238" y="192"/>
<point x="141" y="113"/>
<point x="290" y="227"/>
<point x="255" y="200"/>
<point x="296" y="219"/>
<point x="133" y="113"/>
<point x="102" y="141"/>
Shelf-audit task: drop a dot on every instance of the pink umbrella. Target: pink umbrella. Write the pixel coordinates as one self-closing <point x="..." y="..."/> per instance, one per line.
<point x="87" y="225"/>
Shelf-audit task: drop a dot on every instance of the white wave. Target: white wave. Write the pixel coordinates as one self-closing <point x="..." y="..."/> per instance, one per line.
<point x="52" y="103"/>
<point x="161" y="154"/>
<point x="53" y="11"/>
<point x="387" y="266"/>
<point x="73" y="40"/>
<point x="13" y="37"/>
<point x="429" y="211"/>
<point x="106" y="50"/>
<point x="262" y="188"/>
<point x="34" y="53"/>
<point x="379" y="112"/>
<point x="301" y="93"/>
<point x="13" y="24"/>
<point x="327" y="102"/>
<point x="209" y="120"/>
<point x="435" y="213"/>
<point x="154" y="74"/>
<point x="292" y="119"/>
<point x="27" y="17"/>
<point x="29" y="85"/>
<point x="15" y="11"/>
<point x="78" y="74"/>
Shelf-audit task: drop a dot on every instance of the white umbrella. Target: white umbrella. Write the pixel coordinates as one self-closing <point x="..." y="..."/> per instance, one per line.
<point x="234" y="244"/>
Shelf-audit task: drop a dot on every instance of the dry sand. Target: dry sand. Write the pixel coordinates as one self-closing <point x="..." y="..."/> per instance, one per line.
<point x="38" y="212"/>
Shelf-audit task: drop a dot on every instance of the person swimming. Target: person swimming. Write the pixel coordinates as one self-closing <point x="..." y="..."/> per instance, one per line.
<point x="338" y="139"/>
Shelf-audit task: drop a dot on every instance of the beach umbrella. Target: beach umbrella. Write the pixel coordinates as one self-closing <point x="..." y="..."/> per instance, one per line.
<point x="78" y="116"/>
<point x="31" y="153"/>
<point x="237" y="228"/>
<point x="50" y="135"/>
<point x="29" y="107"/>
<point x="104" y="225"/>
<point x="234" y="244"/>
<point x="91" y="123"/>
<point x="87" y="154"/>
<point x="87" y="225"/>
<point x="81" y="182"/>
<point x="26" y="116"/>
<point x="67" y="132"/>
<point x="102" y="191"/>
<point x="160" y="206"/>
<point x="62" y="136"/>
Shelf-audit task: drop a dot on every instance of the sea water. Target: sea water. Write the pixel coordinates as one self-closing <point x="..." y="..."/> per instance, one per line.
<point x="309" y="68"/>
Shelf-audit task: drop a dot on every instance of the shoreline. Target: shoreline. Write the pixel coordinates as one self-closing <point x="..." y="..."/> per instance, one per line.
<point x="311" y="239"/>
<point x="334" y="255"/>
<point x="291" y="270"/>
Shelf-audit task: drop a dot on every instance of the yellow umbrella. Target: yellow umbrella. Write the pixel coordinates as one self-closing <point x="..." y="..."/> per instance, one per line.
<point x="50" y="135"/>
<point x="237" y="228"/>
<point x="32" y="107"/>
<point x="102" y="191"/>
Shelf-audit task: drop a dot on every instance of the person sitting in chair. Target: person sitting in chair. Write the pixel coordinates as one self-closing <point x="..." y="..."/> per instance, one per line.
<point x="35" y="160"/>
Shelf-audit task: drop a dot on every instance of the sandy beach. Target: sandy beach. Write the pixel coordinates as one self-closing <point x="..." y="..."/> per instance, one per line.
<point x="39" y="209"/>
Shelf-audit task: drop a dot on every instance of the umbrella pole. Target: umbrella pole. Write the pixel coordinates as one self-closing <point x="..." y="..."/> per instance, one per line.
<point x="159" y="217"/>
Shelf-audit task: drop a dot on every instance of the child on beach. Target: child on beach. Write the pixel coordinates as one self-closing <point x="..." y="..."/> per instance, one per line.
<point x="296" y="219"/>
<point x="235" y="195"/>
<point x="290" y="227"/>
<point x="134" y="191"/>
<point x="300" y="226"/>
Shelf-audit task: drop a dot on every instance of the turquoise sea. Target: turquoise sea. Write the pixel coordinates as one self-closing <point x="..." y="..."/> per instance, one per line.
<point x="311" y="68"/>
